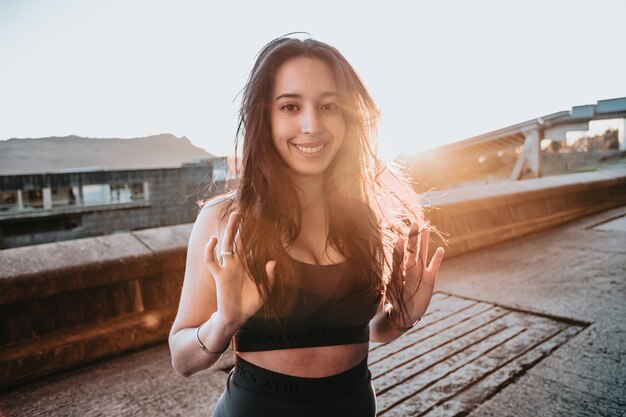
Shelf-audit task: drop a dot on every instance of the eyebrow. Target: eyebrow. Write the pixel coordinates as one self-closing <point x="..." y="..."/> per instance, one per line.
<point x="295" y="95"/>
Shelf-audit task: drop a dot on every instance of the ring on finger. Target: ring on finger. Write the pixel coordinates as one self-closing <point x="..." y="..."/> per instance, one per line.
<point x="227" y="253"/>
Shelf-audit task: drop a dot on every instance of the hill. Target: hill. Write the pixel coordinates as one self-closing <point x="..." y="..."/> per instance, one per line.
<point x="23" y="156"/>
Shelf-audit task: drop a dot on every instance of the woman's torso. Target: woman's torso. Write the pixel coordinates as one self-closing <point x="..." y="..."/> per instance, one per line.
<point x="347" y="301"/>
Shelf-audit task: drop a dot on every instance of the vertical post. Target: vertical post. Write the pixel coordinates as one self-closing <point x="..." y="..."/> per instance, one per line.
<point x="47" y="198"/>
<point x="81" y="198"/>
<point x="146" y="191"/>
<point x="529" y="157"/>
<point x="621" y="136"/>
<point x="20" y="200"/>
<point x="535" y="153"/>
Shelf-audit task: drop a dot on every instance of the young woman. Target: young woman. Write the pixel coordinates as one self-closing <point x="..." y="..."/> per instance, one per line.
<point x="321" y="248"/>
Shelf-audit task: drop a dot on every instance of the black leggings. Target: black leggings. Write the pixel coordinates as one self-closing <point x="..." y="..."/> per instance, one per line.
<point x="252" y="391"/>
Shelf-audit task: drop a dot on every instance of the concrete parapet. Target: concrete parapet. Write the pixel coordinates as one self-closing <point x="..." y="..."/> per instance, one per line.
<point x="69" y="303"/>
<point x="475" y="217"/>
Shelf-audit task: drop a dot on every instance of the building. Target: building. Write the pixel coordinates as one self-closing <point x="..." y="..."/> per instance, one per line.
<point x="49" y="207"/>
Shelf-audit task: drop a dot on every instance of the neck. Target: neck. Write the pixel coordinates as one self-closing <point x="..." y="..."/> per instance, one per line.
<point x="310" y="190"/>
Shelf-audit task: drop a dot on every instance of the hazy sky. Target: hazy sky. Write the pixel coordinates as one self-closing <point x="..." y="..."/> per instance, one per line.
<point x="440" y="71"/>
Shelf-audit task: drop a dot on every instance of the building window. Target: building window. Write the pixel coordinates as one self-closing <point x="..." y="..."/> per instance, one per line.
<point x="63" y="196"/>
<point x="33" y="198"/>
<point x="220" y="169"/>
<point x="96" y="194"/>
<point x="121" y="193"/>
<point x="8" y="200"/>
<point x="137" y="191"/>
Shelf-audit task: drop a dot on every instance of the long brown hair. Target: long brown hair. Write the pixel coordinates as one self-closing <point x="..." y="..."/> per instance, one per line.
<point x="368" y="206"/>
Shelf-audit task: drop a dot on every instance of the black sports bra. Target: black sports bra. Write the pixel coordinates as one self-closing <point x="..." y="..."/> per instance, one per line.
<point x="328" y="306"/>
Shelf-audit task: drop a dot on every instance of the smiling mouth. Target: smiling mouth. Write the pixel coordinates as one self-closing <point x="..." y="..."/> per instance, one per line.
<point x="310" y="150"/>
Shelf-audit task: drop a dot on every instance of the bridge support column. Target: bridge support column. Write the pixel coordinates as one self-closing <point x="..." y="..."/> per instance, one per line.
<point x="621" y="136"/>
<point x="530" y="157"/>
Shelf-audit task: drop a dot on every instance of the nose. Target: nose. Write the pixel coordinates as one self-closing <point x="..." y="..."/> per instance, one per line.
<point x="310" y="122"/>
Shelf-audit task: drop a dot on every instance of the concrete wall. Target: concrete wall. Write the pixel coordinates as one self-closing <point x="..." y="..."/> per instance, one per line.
<point x="69" y="303"/>
<point x="65" y="304"/>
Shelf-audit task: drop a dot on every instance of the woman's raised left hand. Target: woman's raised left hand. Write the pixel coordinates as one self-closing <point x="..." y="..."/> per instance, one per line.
<point x="418" y="275"/>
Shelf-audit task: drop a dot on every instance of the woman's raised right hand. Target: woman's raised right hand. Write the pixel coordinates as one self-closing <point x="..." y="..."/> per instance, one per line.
<point x="237" y="295"/>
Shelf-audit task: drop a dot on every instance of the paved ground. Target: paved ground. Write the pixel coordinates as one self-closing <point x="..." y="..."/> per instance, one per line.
<point x="574" y="274"/>
<point x="576" y="271"/>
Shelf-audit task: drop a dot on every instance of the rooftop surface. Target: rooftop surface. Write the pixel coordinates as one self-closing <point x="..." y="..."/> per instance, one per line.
<point x="533" y="327"/>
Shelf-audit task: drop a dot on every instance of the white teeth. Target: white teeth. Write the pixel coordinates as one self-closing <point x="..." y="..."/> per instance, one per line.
<point x="310" y="150"/>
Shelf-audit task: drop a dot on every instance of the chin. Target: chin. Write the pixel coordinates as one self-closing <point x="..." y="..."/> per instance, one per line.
<point x="307" y="172"/>
<point x="317" y="168"/>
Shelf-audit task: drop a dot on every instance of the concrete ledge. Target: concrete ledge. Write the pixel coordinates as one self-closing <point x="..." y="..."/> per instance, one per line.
<point x="559" y="183"/>
<point x="34" y="272"/>
<point x="475" y="217"/>
<point x="169" y="244"/>
<point x="70" y="303"/>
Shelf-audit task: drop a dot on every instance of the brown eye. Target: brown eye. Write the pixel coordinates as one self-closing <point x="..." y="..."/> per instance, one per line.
<point x="329" y="107"/>
<point x="289" y="107"/>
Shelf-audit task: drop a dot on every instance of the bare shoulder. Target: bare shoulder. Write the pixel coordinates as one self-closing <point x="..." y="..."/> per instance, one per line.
<point x="211" y="221"/>
<point x="221" y="200"/>
<point x="215" y="211"/>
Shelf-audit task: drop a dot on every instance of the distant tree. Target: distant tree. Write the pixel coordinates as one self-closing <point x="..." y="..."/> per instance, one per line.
<point x="610" y="139"/>
<point x="604" y="141"/>
<point x="554" y="146"/>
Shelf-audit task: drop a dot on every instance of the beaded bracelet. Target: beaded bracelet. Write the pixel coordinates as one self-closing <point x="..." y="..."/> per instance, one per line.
<point x="402" y="329"/>
<point x="204" y="349"/>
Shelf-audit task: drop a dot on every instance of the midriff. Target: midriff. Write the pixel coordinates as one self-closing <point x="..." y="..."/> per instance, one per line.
<point x="310" y="362"/>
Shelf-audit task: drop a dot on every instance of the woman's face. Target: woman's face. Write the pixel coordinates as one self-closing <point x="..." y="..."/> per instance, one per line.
<point x="308" y="126"/>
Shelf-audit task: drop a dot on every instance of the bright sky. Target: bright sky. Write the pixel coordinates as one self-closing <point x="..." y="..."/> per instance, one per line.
<point x="440" y="71"/>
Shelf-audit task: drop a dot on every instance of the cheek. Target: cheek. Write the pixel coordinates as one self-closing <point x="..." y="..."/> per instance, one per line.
<point x="282" y="130"/>
<point x="338" y="129"/>
<point x="273" y="127"/>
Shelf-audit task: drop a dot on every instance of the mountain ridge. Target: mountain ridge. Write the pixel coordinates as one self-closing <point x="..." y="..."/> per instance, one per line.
<point x="72" y="152"/>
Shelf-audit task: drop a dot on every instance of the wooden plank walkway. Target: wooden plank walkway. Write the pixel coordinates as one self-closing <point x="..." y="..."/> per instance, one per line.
<point x="460" y="354"/>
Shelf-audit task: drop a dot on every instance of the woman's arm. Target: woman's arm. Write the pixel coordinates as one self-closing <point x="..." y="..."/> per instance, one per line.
<point x="217" y="297"/>
<point x="198" y="303"/>
<point x="381" y="329"/>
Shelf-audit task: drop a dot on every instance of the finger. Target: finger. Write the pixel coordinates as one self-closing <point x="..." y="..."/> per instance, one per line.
<point x="209" y="256"/>
<point x="435" y="262"/>
<point x="398" y="254"/>
<point x="424" y="236"/>
<point x="270" y="270"/>
<point x="238" y="241"/>
<point x="411" y="246"/>
<point x="414" y="232"/>
<point x="229" y="233"/>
